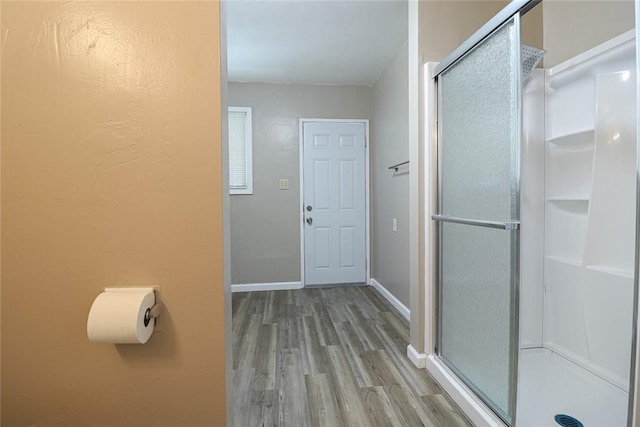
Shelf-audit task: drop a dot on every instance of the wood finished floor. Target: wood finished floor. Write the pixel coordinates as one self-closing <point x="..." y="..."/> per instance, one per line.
<point x="329" y="357"/>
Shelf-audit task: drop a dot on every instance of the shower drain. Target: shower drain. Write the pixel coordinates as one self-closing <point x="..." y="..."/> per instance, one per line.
<point x="567" y="421"/>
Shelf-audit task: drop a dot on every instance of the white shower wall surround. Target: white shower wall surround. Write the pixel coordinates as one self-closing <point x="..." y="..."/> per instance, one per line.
<point x="582" y="307"/>
<point x="590" y="155"/>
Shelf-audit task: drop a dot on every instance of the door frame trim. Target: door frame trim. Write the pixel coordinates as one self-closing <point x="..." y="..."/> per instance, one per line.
<point x="367" y="227"/>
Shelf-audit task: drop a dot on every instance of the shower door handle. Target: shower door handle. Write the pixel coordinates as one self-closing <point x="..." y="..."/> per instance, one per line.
<point x="503" y="225"/>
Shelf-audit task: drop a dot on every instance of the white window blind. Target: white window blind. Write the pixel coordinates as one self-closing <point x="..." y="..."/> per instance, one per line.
<point x="240" y="148"/>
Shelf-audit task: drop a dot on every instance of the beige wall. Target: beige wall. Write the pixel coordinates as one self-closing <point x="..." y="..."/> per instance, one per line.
<point x="111" y="175"/>
<point x="0" y="223"/>
<point x="265" y="226"/>
<point x="571" y="27"/>
<point x="390" y="191"/>
<point x="531" y="25"/>
<point x="445" y="24"/>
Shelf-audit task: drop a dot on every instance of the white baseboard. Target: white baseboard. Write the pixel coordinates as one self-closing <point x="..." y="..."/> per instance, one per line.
<point x="479" y="413"/>
<point x="418" y="359"/>
<point x="403" y="309"/>
<point x="274" y="286"/>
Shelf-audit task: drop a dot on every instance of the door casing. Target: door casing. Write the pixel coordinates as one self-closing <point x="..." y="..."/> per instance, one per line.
<point x="367" y="226"/>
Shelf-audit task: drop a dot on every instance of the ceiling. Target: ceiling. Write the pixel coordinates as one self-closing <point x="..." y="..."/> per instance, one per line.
<point x="313" y="41"/>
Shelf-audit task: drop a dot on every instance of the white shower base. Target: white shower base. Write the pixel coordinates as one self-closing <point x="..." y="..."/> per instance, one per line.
<point x="551" y="384"/>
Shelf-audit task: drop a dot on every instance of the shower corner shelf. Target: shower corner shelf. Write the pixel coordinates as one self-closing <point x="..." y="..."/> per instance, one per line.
<point x="563" y="260"/>
<point x="568" y="199"/>
<point x="579" y="140"/>
<point x="574" y="205"/>
<point x="610" y="270"/>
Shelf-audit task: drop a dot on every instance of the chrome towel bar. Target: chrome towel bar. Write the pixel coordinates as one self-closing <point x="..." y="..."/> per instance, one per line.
<point x="398" y="165"/>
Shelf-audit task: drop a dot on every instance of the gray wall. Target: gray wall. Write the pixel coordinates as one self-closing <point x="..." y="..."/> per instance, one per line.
<point x="390" y="191"/>
<point x="265" y="226"/>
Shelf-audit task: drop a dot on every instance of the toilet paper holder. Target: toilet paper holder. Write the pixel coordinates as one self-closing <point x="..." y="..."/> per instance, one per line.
<point x="122" y="315"/>
<point x="152" y="313"/>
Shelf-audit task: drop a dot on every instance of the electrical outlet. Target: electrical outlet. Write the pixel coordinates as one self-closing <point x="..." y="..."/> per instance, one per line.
<point x="284" y="184"/>
<point x="395" y="225"/>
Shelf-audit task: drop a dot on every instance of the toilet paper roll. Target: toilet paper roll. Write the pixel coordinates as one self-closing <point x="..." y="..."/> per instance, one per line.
<point x="117" y="316"/>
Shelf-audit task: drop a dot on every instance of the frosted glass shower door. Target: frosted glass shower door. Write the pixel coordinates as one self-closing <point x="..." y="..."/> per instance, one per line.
<point x="479" y="139"/>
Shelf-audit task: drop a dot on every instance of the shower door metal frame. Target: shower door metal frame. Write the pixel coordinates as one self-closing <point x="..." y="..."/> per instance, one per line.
<point x="633" y="410"/>
<point x="514" y="10"/>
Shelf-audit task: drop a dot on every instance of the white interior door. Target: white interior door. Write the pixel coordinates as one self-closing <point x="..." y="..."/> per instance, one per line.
<point x="334" y="203"/>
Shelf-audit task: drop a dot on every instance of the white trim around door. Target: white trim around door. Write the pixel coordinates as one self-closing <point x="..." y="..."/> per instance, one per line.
<point x="302" y="121"/>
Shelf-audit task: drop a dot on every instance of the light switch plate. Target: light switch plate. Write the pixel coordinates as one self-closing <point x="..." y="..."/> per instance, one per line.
<point x="284" y="184"/>
<point x="395" y="225"/>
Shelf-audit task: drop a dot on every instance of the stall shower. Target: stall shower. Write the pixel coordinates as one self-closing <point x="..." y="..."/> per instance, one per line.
<point x="536" y="226"/>
<point x="578" y="237"/>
